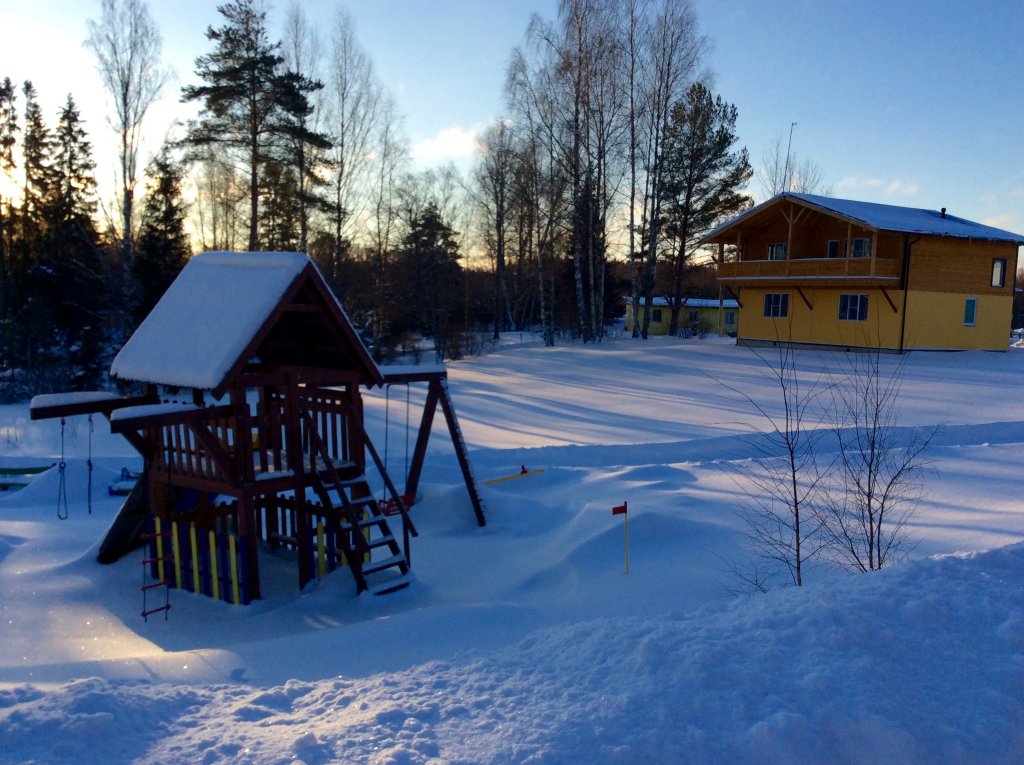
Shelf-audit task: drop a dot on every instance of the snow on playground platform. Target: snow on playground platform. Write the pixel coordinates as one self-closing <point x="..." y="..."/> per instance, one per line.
<point x="525" y="641"/>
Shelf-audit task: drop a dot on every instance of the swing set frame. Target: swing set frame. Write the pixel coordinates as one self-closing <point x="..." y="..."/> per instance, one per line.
<point x="436" y="379"/>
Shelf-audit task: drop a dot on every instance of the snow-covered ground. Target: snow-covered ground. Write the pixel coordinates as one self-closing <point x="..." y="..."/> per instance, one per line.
<point x="526" y="641"/>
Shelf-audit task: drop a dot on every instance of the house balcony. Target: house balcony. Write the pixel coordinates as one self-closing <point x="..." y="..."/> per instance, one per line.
<point x="820" y="272"/>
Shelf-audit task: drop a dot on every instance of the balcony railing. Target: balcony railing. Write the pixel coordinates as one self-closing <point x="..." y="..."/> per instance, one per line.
<point x="883" y="269"/>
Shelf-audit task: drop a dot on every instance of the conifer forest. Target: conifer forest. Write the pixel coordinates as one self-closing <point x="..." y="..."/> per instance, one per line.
<point x="614" y="157"/>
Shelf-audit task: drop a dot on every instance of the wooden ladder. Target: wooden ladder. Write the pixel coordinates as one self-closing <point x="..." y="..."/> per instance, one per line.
<point x="371" y="551"/>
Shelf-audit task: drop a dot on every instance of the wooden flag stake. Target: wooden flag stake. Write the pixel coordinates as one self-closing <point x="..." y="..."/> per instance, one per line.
<point x="623" y="510"/>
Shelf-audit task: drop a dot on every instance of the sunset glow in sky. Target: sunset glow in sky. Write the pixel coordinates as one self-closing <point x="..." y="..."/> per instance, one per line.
<point x="899" y="102"/>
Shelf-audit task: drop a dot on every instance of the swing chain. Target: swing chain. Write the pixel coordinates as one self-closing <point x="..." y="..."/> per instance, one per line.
<point x="62" y="491"/>
<point x="88" y="462"/>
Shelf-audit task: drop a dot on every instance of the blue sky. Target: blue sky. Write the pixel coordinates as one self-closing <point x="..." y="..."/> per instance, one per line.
<point x="911" y="103"/>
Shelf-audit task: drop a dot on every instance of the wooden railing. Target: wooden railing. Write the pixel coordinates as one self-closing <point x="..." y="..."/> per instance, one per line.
<point x="199" y="445"/>
<point x="811" y="268"/>
<point x="217" y="448"/>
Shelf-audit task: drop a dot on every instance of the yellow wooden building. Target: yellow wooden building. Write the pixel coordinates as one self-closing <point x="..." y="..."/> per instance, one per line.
<point x="697" y="316"/>
<point x="838" y="273"/>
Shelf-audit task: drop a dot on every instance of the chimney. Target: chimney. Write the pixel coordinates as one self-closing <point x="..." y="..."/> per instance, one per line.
<point x="943" y="212"/>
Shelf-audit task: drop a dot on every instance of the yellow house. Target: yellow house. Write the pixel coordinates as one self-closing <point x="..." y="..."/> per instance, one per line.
<point x="698" y="315"/>
<point x="838" y="273"/>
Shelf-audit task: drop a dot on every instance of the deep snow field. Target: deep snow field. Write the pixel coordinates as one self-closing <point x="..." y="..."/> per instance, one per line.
<point x="525" y="641"/>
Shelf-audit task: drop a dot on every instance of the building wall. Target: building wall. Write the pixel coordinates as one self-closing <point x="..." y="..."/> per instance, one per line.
<point x="944" y="273"/>
<point x="818" y="323"/>
<point x="707" y="316"/>
<point x="936" y="320"/>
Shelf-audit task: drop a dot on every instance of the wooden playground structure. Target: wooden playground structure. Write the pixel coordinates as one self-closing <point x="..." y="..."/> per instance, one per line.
<point x="251" y="429"/>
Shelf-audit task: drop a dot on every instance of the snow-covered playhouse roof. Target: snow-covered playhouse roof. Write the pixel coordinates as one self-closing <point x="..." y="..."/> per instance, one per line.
<point x="871" y="215"/>
<point x="227" y="309"/>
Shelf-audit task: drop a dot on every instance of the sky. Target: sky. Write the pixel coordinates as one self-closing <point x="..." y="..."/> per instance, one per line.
<point x="897" y="102"/>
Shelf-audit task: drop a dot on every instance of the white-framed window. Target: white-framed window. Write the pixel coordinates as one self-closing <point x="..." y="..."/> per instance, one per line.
<point x="777" y="251"/>
<point x="730" y="317"/>
<point x="861" y="248"/>
<point x="834" y="248"/>
<point x="853" y="307"/>
<point x="998" y="272"/>
<point x="970" y="312"/>
<point x="776" y="305"/>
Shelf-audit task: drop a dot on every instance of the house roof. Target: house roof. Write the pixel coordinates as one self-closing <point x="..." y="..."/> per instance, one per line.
<point x="225" y="308"/>
<point x="871" y="215"/>
<point x="662" y="302"/>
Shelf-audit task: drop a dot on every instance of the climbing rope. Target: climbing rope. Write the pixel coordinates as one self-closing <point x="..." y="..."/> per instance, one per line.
<point x="62" y="489"/>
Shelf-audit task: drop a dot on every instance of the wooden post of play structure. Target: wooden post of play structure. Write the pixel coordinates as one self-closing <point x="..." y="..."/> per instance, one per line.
<point x="623" y="510"/>
<point x="437" y="393"/>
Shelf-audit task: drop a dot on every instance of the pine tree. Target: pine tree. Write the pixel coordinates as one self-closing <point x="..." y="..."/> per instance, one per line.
<point x="703" y="175"/>
<point x="250" y="104"/>
<point x="162" y="247"/>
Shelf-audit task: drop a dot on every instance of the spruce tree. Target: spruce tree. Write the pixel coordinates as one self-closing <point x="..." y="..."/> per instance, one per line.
<point x="35" y="149"/>
<point x="8" y="139"/>
<point x="162" y="247"/>
<point x="69" y="274"/>
<point x="430" y="272"/>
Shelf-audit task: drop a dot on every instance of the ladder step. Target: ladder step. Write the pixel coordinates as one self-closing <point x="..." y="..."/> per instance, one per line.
<point x="364" y="523"/>
<point x="381" y="541"/>
<point x="379" y="565"/>
<point x="158" y="609"/>
<point x="391" y="585"/>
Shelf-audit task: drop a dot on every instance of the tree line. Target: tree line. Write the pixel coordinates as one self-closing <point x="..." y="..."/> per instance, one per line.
<point x="614" y="158"/>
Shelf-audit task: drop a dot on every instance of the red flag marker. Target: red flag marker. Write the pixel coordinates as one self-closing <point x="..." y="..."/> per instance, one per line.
<point x="623" y="510"/>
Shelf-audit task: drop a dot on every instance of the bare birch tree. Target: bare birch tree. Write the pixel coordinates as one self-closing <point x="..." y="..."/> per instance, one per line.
<point x="782" y="170"/>
<point x="876" y="482"/>
<point x="391" y="155"/>
<point x="782" y="482"/>
<point x="127" y="46"/>
<point x="494" y="176"/>
<point x="302" y="51"/>
<point x="541" y="179"/>
<point x="670" y="55"/>
<point x="355" y="105"/>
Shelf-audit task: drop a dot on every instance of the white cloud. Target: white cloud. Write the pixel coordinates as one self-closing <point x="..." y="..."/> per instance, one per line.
<point x="450" y="143"/>
<point x="1006" y="221"/>
<point x="889" y="188"/>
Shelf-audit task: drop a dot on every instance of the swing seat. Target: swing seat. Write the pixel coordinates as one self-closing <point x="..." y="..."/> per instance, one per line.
<point x="390" y="506"/>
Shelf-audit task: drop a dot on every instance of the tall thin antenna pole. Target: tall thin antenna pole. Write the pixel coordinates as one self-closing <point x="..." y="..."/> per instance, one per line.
<point x="785" y="173"/>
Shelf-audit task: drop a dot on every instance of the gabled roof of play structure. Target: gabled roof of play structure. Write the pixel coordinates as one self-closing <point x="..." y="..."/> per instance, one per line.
<point x="225" y="308"/>
<point x="872" y="215"/>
